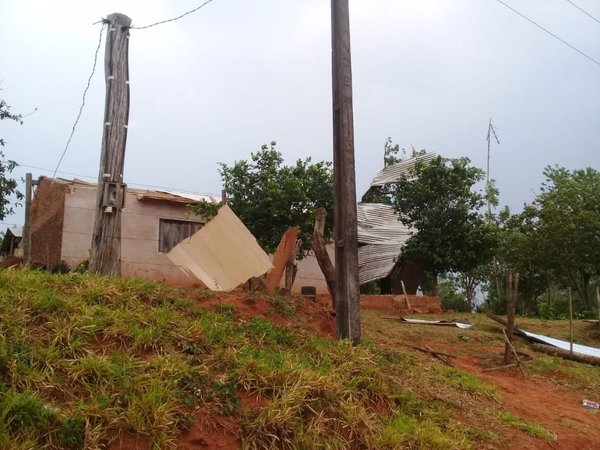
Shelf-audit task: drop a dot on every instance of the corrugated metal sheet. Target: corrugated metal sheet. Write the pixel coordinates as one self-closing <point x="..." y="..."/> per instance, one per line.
<point x="391" y="174"/>
<point x="379" y="228"/>
<point x="378" y="223"/>
<point x="376" y="261"/>
<point x="144" y="194"/>
<point x="16" y="231"/>
<point x="577" y="348"/>
<point x="195" y="197"/>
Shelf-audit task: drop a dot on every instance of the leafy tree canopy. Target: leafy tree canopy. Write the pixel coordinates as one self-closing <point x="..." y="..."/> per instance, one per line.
<point x="438" y="199"/>
<point x="8" y="185"/>
<point x="569" y="225"/>
<point x="270" y="197"/>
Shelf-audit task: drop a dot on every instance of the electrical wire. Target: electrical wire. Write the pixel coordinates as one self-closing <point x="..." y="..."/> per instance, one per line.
<point x="583" y="10"/>
<point x="82" y="101"/>
<point x="550" y="33"/>
<point x="174" y="18"/>
<point x="183" y="191"/>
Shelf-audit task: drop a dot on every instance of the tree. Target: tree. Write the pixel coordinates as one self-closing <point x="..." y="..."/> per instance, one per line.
<point x="437" y="199"/>
<point x="569" y="226"/>
<point x="520" y="251"/>
<point x="8" y="185"/>
<point x="270" y="197"/>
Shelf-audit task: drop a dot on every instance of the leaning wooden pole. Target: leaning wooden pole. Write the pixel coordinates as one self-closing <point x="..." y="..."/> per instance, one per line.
<point x="106" y="239"/>
<point x="27" y="224"/>
<point x="347" y="296"/>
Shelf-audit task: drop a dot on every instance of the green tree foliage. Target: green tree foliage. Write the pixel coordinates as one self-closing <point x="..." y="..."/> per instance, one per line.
<point x="451" y="299"/>
<point x="519" y="251"/>
<point x="554" y="243"/>
<point x="8" y="185"/>
<point x="569" y="226"/>
<point x="270" y="197"/>
<point x="438" y="199"/>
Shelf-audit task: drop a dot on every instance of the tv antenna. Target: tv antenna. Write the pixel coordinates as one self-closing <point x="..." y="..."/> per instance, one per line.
<point x="491" y="132"/>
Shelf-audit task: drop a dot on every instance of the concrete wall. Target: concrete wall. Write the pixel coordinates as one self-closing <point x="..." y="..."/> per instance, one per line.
<point x="309" y="273"/>
<point x="140" y="257"/>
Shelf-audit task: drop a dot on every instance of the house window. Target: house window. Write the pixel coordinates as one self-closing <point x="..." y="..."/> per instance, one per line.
<point x="172" y="232"/>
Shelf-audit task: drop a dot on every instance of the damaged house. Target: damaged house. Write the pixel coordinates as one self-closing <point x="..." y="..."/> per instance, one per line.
<point x="153" y="222"/>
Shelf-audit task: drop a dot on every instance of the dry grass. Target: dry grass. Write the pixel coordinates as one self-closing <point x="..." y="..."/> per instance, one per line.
<point x="83" y="359"/>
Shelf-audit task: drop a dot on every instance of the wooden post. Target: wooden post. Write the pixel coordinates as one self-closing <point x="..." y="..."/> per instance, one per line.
<point x="598" y="300"/>
<point x="347" y="294"/>
<point x="570" y="322"/>
<point x="291" y="268"/>
<point x="318" y="246"/>
<point x="106" y="239"/>
<point x="511" y="306"/>
<point x="27" y="224"/>
<point x="405" y="295"/>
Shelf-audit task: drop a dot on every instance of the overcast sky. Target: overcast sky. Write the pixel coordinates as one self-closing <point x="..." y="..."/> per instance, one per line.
<point x="215" y="85"/>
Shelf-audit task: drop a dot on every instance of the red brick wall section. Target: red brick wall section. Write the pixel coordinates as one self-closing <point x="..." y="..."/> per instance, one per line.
<point x="47" y="216"/>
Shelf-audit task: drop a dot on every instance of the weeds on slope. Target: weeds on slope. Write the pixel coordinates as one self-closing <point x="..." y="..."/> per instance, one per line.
<point x="84" y="358"/>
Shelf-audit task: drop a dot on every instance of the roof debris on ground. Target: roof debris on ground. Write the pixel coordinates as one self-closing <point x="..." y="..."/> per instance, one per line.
<point x="222" y="254"/>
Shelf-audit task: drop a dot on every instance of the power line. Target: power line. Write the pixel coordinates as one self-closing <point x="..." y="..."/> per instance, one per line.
<point x="550" y="33"/>
<point x="183" y="191"/>
<point x="174" y="18"/>
<point x="82" y="101"/>
<point x="583" y="10"/>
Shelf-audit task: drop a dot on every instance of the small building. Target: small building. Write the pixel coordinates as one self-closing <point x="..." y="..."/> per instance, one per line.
<point x="11" y="243"/>
<point x="152" y="223"/>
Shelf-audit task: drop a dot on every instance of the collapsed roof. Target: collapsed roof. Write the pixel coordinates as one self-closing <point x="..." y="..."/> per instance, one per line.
<point x="380" y="232"/>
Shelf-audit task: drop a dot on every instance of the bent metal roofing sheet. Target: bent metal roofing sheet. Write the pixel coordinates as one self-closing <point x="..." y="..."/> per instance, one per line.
<point x="383" y="236"/>
<point x="390" y="174"/>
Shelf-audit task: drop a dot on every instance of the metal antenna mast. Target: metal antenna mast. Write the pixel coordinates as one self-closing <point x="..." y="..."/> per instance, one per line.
<point x="491" y="132"/>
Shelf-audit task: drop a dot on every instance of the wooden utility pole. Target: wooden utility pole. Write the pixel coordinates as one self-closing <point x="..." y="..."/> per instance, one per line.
<point x="347" y="295"/>
<point x="106" y="240"/>
<point x="27" y="224"/>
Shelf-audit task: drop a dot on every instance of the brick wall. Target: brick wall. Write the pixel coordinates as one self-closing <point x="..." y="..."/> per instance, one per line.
<point x="47" y="216"/>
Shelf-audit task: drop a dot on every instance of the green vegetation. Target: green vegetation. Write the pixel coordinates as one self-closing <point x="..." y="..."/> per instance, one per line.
<point x="270" y="197"/>
<point x="533" y="429"/>
<point x="84" y="359"/>
<point x="8" y="185"/>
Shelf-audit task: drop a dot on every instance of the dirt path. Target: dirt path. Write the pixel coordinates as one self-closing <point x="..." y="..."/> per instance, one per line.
<point x="538" y="400"/>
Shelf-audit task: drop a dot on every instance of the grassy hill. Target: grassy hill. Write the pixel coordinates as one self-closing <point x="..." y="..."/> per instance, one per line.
<point x="92" y="362"/>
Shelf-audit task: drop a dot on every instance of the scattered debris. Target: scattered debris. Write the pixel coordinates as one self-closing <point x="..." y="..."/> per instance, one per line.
<point x="566" y="354"/>
<point x="556" y="347"/>
<point x="564" y="345"/>
<point x="514" y="352"/>
<point x="590" y="404"/>
<point x="444" y="357"/>
<point x="222" y="254"/>
<point x="448" y="323"/>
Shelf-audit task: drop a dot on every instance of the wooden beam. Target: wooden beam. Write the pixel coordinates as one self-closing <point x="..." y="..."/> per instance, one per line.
<point x="318" y="246"/>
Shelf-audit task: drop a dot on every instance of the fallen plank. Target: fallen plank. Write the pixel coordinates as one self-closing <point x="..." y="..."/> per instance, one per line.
<point x="281" y="257"/>
<point x="566" y="354"/>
